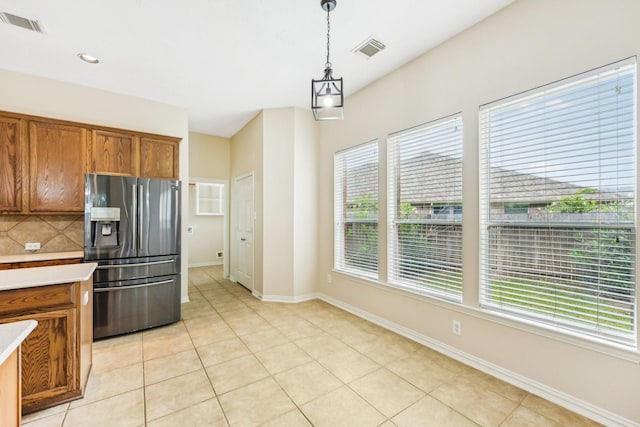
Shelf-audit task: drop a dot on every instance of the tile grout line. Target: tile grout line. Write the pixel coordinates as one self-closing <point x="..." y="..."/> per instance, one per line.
<point x="317" y="319"/>
<point x="204" y="368"/>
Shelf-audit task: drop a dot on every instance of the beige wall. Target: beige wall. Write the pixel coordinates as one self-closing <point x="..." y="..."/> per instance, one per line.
<point x="209" y="156"/>
<point x="277" y="253"/>
<point x="246" y="157"/>
<point x="286" y="236"/>
<point x="208" y="235"/>
<point x="528" y="44"/>
<point x="26" y="94"/>
<point x="290" y="204"/>
<point x="305" y="203"/>
<point x="209" y="161"/>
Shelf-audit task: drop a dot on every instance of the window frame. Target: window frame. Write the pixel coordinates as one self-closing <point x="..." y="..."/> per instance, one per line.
<point x="213" y="198"/>
<point x="590" y="329"/>
<point x="426" y="276"/>
<point x="343" y="221"/>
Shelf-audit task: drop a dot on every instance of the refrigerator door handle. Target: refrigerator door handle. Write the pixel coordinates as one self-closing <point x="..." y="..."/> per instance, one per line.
<point x="141" y="202"/>
<point x="124" y="288"/>
<point x="142" y="264"/>
<point x="134" y="217"/>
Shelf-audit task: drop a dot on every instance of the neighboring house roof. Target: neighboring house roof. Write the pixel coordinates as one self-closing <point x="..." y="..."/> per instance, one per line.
<point x="435" y="178"/>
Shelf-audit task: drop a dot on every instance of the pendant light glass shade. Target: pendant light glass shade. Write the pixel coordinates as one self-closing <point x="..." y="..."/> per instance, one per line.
<point x="327" y="96"/>
<point x="327" y="99"/>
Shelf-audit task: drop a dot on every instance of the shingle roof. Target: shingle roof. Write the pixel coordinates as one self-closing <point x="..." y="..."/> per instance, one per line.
<point x="435" y="178"/>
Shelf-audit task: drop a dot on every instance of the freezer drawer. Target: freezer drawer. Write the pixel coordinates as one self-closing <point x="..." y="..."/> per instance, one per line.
<point x="123" y="307"/>
<point x="136" y="268"/>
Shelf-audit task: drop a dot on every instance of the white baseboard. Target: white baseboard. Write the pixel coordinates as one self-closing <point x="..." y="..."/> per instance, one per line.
<point x="567" y="401"/>
<point x="205" y="264"/>
<point x="285" y="298"/>
<point x="184" y="299"/>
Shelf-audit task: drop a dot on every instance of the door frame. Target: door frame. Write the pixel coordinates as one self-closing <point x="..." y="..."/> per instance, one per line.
<point x="232" y="222"/>
<point x="225" y="225"/>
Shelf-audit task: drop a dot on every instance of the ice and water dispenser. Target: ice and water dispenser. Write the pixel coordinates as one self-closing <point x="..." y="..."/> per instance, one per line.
<point x="105" y="226"/>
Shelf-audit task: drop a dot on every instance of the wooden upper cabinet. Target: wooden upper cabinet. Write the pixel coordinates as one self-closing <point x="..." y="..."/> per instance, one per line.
<point x="114" y="153"/>
<point x="159" y="158"/>
<point x="43" y="161"/>
<point x="11" y="158"/>
<point x="58" y="162"/>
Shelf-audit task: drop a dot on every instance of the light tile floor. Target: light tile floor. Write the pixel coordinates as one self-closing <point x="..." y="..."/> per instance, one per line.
<point x="234" y="360"/>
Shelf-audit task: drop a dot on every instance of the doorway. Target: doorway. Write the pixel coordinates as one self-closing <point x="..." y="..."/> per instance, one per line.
<point x="242" y="236"/>
<point x="207" y="223"/>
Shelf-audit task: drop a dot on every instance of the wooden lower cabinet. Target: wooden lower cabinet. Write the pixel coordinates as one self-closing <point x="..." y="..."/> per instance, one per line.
<point x="10" y="391"/>
<point x="48" y="365"/>
<point x="56" y="356"/>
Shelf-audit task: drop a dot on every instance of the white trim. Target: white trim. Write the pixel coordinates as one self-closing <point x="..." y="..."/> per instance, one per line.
<point x="227" y="191"/>
<point x="205" y="264"/>
<point x="286" y="298"/>
<point x="233" y="208"/>
<point x="184" y="299"/>
<point x="567" y="401"/>
<point x="196" y="179"/>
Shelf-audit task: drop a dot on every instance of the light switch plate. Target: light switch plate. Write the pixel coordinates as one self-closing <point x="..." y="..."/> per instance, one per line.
<point x="32" y="246"/>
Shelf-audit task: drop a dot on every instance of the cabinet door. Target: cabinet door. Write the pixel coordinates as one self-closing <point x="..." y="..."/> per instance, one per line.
<point x="58" y="155"/>
<point x="159" y="158"/>
<point x="114" y="153"/>
<point x="10" y="391"/>
<point x="11" y="157"/>
<point x="49" y="372"/>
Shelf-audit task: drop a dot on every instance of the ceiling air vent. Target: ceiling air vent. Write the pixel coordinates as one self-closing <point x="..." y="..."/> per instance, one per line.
<point x="19" y="21"/>
<point x="369" y="47"/>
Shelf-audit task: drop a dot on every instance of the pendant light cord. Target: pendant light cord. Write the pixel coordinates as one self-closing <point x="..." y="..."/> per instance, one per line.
<point x="328" y="64"/>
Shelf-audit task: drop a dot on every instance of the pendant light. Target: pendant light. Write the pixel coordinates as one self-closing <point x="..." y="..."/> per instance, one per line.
<point x="327" y="99"/>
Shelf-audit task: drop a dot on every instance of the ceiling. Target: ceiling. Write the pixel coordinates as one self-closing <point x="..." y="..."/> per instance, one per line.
<point x="225" y="60"/>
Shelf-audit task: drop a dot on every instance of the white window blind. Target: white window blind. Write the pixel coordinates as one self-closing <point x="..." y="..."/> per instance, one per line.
<point x="558" y="239"/>
<point x="356" y="210"/>
<point x="425" y="208"/>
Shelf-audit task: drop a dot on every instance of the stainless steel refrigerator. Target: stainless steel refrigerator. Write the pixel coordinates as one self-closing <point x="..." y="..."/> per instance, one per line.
<point x="132" y="230"/>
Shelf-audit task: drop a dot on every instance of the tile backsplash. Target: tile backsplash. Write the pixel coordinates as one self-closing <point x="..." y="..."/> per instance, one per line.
<point x="55" y="233"/>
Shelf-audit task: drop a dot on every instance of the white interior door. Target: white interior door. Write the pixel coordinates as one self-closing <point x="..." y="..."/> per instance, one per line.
<point x="243" y="231"/>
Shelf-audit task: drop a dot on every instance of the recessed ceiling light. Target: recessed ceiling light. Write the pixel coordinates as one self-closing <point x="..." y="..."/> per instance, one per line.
<point x="88" y="58"/>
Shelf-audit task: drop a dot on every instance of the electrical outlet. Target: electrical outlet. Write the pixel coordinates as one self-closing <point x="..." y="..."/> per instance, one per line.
<point x="32" y="246"/>
<point x="219" y="254"/>
<point x="456" y="327"/>
<point x="329" y="278"/>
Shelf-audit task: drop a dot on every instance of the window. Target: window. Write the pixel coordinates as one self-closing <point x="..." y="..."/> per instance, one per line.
<point x="209" y="199"/>
<point x="425" y="208"/>
<point x="516" y="208"/>
<point x="356" y="210"/>
<point x="567" y="152"/>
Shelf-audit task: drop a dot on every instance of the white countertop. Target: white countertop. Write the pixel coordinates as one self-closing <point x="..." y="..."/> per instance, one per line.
<point x="12" y="334"/>
<point x="40" y="256"/>
<point x="42" y="276"/>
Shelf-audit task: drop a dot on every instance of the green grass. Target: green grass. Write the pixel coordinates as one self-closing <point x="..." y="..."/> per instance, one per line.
<point x="559" y="301"/>
<point x="546" y="299"/>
